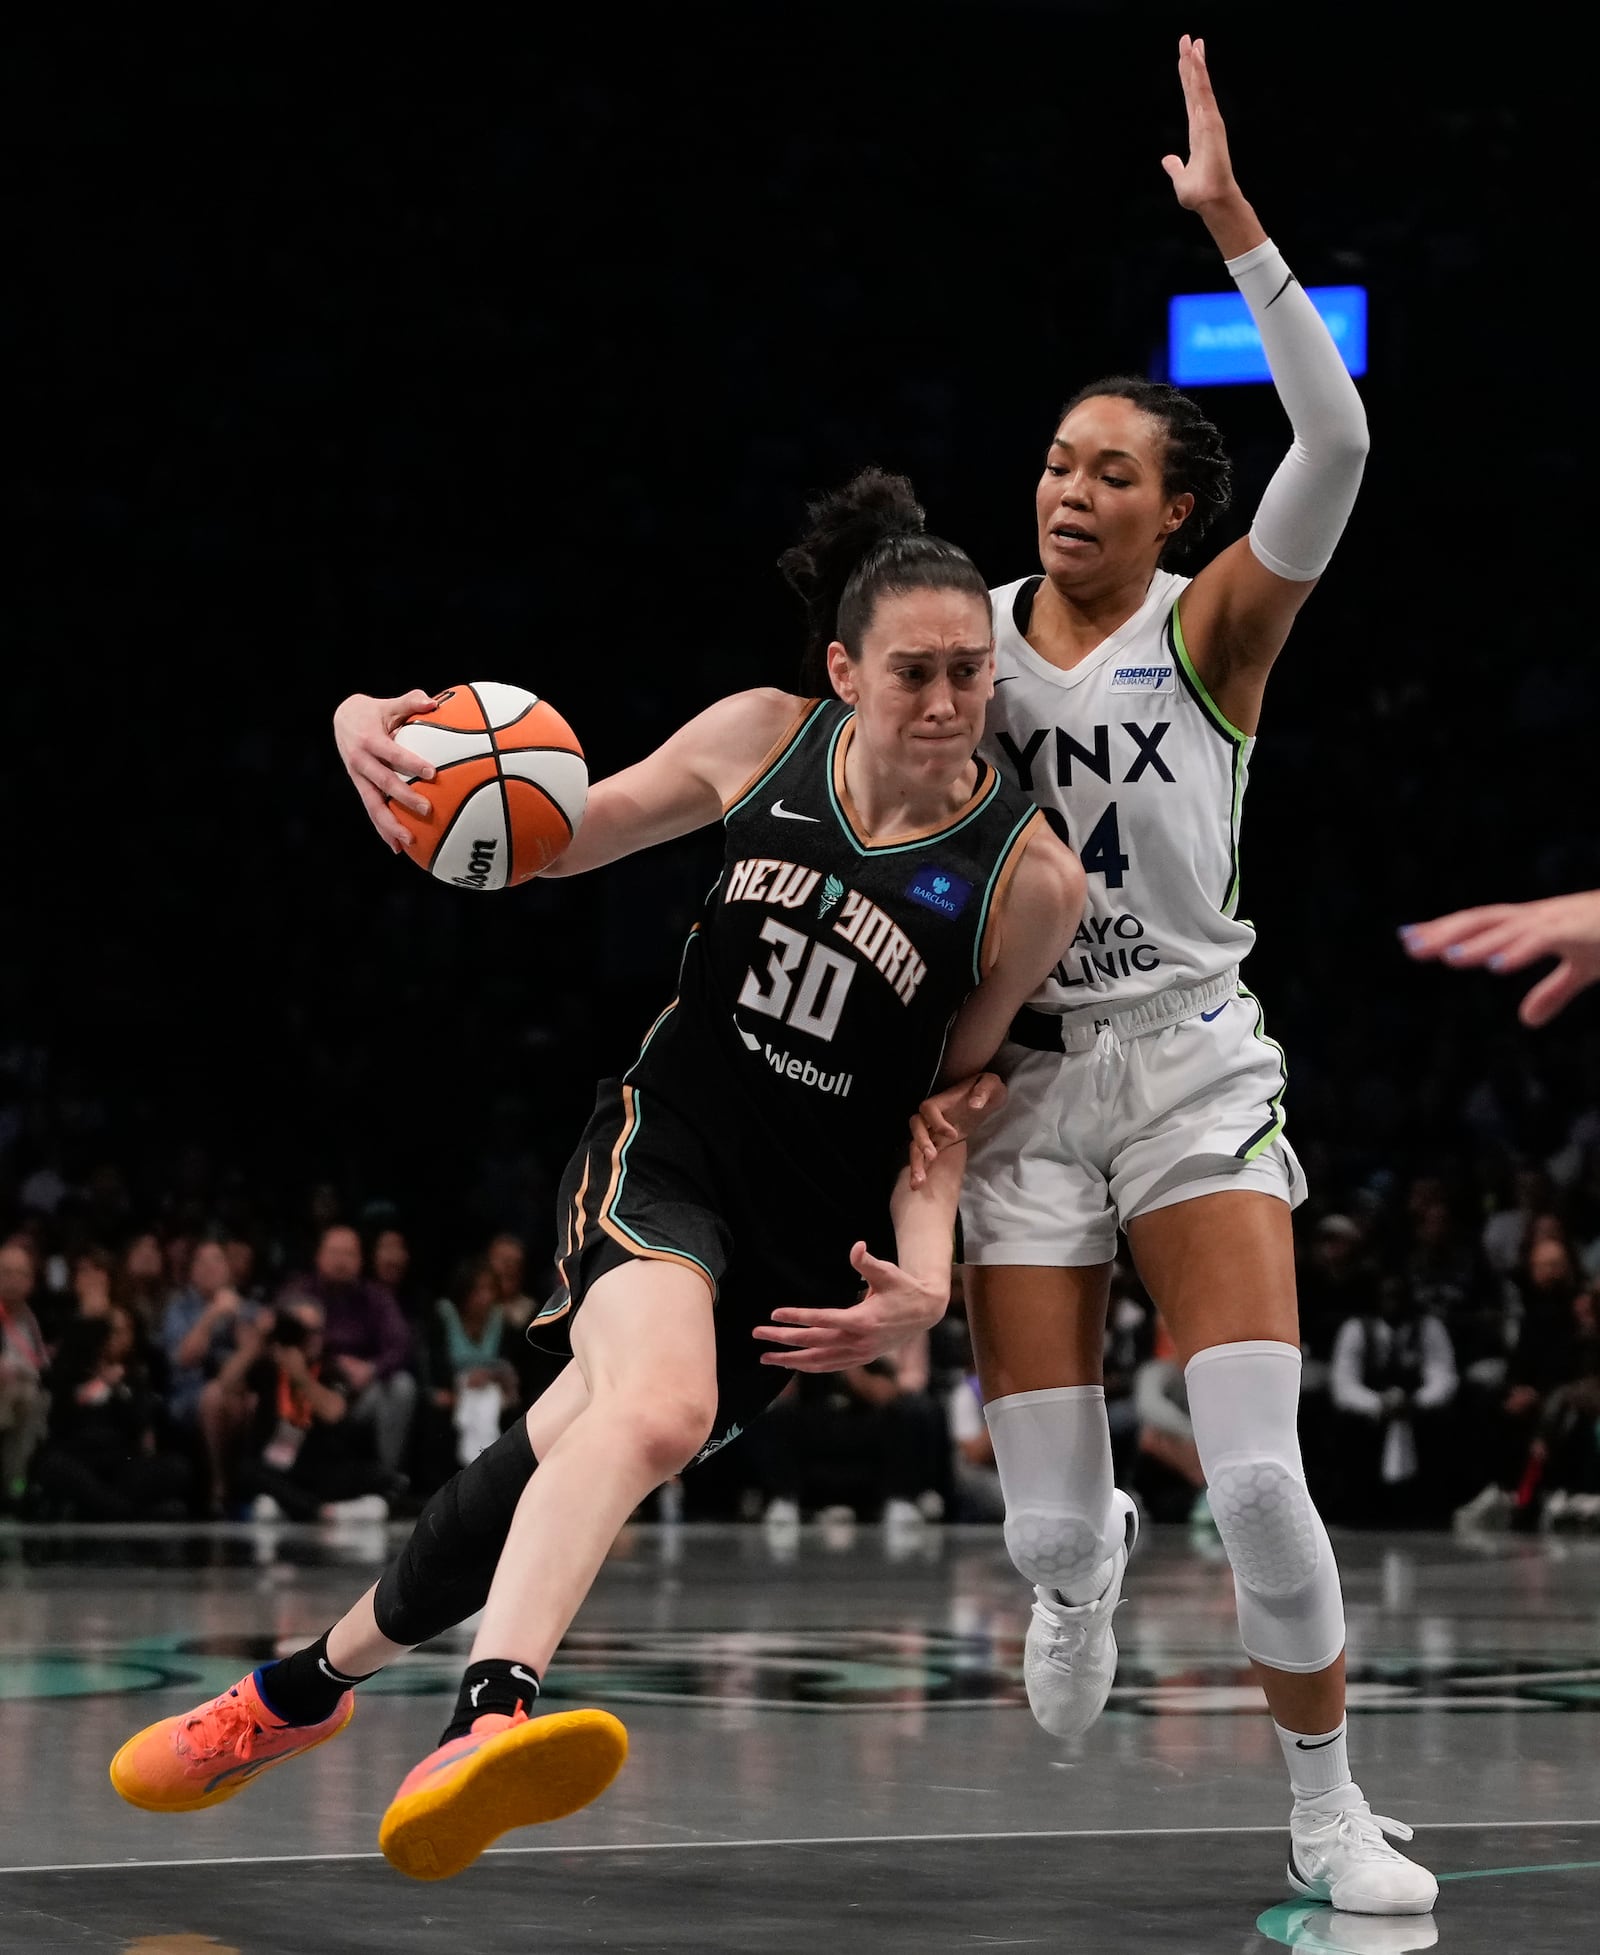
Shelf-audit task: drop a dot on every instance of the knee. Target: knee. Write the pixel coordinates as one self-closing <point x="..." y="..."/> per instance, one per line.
<point x="667" y="1430"/>
<point x="1051" y="1548"/>
<point x="1267" y="1523"/>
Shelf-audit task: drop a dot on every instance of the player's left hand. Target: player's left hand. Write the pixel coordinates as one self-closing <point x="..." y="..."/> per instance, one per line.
<point x="1207" y="176"/>
<point x="894" y="1309"/>
<point x="1510" y="936"/>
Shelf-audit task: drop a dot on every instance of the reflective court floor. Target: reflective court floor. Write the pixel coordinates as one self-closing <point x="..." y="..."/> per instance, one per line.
<point x="830" y="1751"/>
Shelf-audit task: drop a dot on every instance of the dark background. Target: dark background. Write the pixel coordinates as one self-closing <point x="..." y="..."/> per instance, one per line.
<point x="367" y="356"/>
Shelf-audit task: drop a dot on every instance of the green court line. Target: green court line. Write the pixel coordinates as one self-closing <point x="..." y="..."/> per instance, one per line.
<point x="1293" y="1924"/>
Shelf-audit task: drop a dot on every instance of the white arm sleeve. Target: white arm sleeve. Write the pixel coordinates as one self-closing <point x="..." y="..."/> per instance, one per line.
<point x="1309" y="499"/>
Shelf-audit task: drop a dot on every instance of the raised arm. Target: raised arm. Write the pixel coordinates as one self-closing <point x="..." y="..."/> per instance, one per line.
<point x="685" y="784"/>
<point x="1237" y="613"/>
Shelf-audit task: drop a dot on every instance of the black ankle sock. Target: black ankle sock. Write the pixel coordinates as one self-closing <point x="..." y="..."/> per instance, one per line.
<point x="491" y="1684"/>
<point x="304" y="1688"/>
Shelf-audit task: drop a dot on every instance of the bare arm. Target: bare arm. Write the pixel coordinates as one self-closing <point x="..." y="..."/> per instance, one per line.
<point x="1039" y="916"/>
<point x="902" y="1298"/>
<point x="683" y="785"/>
<point x="1237" y="613"/>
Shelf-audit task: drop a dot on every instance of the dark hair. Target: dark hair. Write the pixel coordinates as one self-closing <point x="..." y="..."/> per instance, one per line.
<point x="1193" y="462"/>
<point x="862" y="542"/>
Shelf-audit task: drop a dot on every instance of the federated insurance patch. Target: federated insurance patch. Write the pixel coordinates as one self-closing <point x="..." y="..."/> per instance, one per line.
<point x="941" y="890"/>
<point x="1142" y="678"/>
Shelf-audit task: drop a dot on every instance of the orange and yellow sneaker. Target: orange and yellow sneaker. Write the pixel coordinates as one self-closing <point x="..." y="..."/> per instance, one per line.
<point x="506" y="1772"/>
<point x="209" y="1754"/>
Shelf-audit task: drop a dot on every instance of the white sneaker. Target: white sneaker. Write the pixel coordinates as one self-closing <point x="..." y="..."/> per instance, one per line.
<point x="1490" y="1508"/>
<point x="781" y="1515"/>
<point x="1070" y="1658"/>
<point x="902" y="1517"/>
<point x="265" y="1508"/>
<point x="1342" y="1856"/>
<point x="365" y="1507"/>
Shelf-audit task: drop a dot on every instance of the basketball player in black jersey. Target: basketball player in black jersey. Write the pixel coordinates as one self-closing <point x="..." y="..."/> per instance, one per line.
<point x="885" y="905"/>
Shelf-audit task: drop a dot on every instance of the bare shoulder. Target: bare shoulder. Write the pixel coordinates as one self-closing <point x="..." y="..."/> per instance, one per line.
<point x="1049" y="877"/>
<point x="732" y="741"/>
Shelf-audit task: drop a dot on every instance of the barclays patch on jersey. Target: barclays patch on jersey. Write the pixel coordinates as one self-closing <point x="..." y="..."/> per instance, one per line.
<point x="1141" y="678"/>
<point x="941" y="890"/>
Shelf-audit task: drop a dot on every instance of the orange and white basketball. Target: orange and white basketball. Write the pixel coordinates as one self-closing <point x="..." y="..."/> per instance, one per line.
<point x="509" y="791"/>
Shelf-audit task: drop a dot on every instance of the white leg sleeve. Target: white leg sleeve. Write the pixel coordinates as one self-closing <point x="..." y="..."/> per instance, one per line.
<point x="1244" y="1401"/>
<point x="1053" y="1451"/>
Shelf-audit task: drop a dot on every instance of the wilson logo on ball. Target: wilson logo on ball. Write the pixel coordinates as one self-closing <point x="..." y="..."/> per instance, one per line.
<point x="508" y="790"/>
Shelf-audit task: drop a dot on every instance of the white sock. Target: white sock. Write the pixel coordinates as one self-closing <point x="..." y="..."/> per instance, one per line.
<point x="1090" y="1587"/>
<point x="1317" y="1764"/>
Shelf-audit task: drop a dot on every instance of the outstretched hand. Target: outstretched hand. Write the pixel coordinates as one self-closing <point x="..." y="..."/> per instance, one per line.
<point x="1510" y="936"/>
<point x="363" y="730"/>
<point x="895" y="1307"/>
<point x="1207" y="176"/>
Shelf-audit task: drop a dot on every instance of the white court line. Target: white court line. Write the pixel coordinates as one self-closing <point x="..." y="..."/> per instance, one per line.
<point x="835" y="1839"/>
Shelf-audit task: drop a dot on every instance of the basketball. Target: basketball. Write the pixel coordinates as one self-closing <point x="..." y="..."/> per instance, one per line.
<point x="509" y="791"/>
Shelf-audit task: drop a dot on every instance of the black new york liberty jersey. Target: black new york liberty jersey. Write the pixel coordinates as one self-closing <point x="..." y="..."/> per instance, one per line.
<point x="816" y="992"/>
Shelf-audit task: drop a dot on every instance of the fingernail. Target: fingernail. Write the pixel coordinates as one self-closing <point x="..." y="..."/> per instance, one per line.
<point x="1498" y="961"/>
<point x="1408" y="931"/>
<point x="1455" y="951"/>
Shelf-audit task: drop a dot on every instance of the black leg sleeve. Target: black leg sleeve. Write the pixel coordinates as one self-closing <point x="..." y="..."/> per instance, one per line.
<point x="442" y="1574"/>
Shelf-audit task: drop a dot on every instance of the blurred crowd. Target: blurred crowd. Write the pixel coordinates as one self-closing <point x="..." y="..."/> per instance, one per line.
<point x="197" y="1364"/>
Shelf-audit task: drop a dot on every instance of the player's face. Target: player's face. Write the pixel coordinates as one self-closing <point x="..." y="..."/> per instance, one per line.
<point x="1103" y="512"/>
<point x="923" y="681"/>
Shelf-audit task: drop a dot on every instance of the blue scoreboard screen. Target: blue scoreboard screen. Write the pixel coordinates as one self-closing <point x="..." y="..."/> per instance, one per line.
<point x="1212" y="340"/>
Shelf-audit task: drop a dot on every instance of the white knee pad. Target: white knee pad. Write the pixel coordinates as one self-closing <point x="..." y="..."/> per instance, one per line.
<point x="1244" y="1401"/>
<point x="1053" y="1452"/>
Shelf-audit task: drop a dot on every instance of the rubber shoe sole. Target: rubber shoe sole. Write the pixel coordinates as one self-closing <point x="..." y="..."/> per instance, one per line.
<point x="229" y="1790"/>
<point x="527" y="1775"/>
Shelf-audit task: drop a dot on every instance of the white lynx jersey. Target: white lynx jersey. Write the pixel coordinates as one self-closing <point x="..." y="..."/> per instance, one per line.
<point x="1133" y="763"/>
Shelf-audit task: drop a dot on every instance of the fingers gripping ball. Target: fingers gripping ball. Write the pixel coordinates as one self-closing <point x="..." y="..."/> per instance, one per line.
<point x="509" y="789"/>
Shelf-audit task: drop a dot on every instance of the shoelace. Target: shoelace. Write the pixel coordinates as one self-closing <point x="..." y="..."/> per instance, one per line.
<point x="225" y="1725"/>
<point x="1362" y="1830"/>
<point x="1068" y="1637"/>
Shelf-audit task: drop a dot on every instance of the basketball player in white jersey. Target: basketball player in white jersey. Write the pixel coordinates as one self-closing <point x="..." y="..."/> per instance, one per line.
<point x="1144" y="1092"/>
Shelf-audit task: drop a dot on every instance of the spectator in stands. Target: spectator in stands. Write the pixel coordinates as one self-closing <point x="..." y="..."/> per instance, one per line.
<point x="103" y="1459"/>
<point x="858" y="1439"/>
<point x="1505" y="1233"/>
<point x="304" y="1455"/>
<point x="367" y="1342"/>
<point x="24" y="1403"/>
<point x="508" y="1259"/>
<point x="241" y="1254"/>
<point x="975" y="1478"/>
<point x="1550" y="1334"/>
<point x="1335" y="1282"/>
<point x="141" y="1279"/>
<point x="469" y="1377"/>
<point x="1129" y="1339"/>
<point x="1393" y="1380"/>
<point x="391" y="1266"/>
<point x="1569" y="1440"/>
<point x="199" y="1332"/>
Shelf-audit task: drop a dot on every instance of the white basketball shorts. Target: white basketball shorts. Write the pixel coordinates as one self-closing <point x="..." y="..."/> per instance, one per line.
<point x="1088" y="1140"/>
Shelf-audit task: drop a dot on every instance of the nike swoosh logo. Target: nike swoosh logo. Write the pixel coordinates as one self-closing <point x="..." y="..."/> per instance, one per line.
<point x="1207" y="1016"/>
<point x="788" y="814"/>
<point x="1321" y="1745"/>
<point x="526" y="1676"/>
<point x="1007" y="679"/>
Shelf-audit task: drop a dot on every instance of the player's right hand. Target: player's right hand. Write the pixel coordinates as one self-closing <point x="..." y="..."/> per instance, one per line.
<point x="363" y="729"/>
<point x="1510" y="936"/>
<point x="955" y="1115"/>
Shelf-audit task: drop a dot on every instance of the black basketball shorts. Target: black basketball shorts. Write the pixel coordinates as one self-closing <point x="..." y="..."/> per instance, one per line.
<point x="644" y="1184"/>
